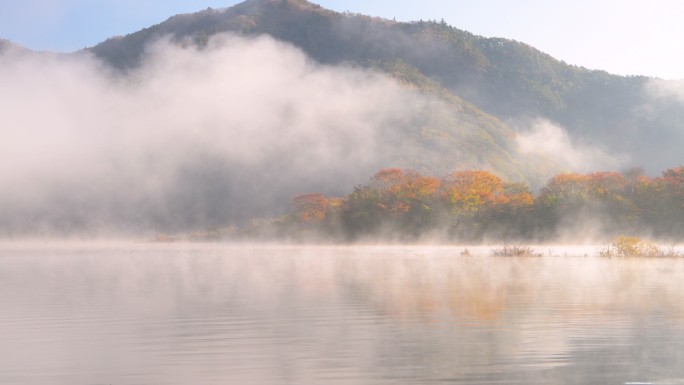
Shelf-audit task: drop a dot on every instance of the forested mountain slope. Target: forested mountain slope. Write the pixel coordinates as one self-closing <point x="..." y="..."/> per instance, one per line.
<point x="507" y="79"/>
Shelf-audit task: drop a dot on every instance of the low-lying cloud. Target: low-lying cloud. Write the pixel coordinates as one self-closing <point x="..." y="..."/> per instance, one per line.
<point x="191" y="138"/>
<point x="658" y="89"/>
<point x="548" y="140"/>
<point x="197" y="138"/>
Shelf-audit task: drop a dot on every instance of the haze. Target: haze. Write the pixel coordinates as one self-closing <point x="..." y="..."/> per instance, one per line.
<point x="188" y="138"/>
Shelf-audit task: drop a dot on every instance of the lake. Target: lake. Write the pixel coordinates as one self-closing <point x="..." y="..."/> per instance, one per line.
<point x="110" y="314"/>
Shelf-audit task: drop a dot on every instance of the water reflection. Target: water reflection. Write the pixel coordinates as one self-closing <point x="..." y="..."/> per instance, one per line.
<point x="217" y="314"/>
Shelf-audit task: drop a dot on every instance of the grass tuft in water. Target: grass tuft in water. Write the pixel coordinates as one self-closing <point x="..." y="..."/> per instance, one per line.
<point x="515" y="251"/>
<point x="626" y="246"/>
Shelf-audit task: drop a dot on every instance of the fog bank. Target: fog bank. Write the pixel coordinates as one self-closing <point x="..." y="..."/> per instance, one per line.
<point x="544" y="138"/>
<point x="193" y="138"/>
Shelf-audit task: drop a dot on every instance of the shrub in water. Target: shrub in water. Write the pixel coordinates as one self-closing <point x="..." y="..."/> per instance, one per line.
<point x="624" y="246"/>
<point x="515" y="251"/>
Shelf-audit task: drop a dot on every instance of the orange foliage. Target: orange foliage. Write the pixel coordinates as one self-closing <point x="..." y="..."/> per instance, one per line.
<point x="675" y="177"/>
<point x="417" y="202"/>
<point x="517" y="195"/>
<point x="565" y="186"/>
<point x="311" y="207"/>
<point x="406" y="184"/>
<point x="336" y="203"/>
<point x="603" y="184"/>
<point x="673" y="181"/>
<point x="468" y="191"/>
<point x="401" y="188"/>
<point x="417" y="186"/>
<point x="387" y="179"/>
<point x="395" y="207"/>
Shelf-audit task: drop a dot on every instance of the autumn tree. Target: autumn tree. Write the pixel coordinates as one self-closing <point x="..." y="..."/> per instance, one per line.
<point x="310" y="207"/>
<point x="403" y="191"/>
<point x="389" y="183"/>
<point x="466" y="192"/>
<point x="388" y="179"/>
<point x="564" y="189"/>
<point x="517" y="195"/>
<point x="418" y="193"/>
<point x="663" y="202"/>
<point x="395" y="200"/>
<point x="473" y="204"/>
<point x="362" y="213"/>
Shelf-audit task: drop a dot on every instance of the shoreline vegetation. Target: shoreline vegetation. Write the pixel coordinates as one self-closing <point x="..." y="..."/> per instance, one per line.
<point x="475" y="206"/>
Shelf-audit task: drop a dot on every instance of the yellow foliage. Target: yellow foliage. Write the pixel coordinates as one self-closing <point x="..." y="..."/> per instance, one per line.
<point x="624" y="246"/>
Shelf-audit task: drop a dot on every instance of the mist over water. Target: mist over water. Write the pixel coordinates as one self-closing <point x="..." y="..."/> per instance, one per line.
<point x="217" y="314"/>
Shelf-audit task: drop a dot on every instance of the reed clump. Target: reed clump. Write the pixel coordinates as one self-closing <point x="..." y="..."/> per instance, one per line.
<point x="629" y="246"/>
<point x="515" y="251"/>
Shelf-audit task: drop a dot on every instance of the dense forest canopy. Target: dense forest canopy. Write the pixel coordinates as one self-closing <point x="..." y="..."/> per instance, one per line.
<point x="475" y="206"/>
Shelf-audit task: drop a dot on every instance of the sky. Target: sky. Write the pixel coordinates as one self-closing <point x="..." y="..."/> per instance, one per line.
<point x="626" y="37"/>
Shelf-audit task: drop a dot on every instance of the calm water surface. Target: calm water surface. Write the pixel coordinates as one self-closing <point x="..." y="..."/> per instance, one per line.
<point x="221" y="314"/>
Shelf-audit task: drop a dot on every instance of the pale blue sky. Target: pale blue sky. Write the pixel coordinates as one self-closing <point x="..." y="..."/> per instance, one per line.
<point x="620" y="36"/>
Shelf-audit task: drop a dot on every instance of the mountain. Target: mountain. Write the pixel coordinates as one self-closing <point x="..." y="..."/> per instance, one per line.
<point x="6" y="45"/>
<point x="503" y="78"/>
<point x="460" y="136"/>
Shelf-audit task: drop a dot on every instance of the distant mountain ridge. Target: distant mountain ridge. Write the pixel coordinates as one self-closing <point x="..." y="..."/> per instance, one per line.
<point x="6" y="44"/>
<point x="509" y="80"/>
<point x="320" y="33"/>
